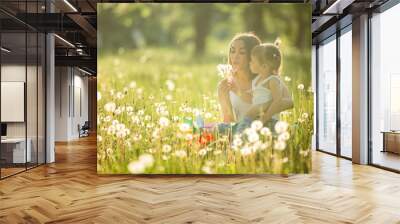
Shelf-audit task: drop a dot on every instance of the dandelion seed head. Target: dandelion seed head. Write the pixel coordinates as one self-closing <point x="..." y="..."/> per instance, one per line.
<point x="168" y="97"/>
<point x="139" y="91"/>
<point x="217" y="152"/>
<point x="253" y="137"/>
<point x="119" y="95"/>
<point x="256" y="125"/>
<point x="166" y="148"/>
<point x="180" y="153"/>
<point x="118" y="111"/>
<point x="265" y="131"/>
<point x="170" y="85"/>
<point x="284" y="136"/>
<point x="109" y="151"/>
<point x="184" y="127"/>
<point x="281" y="126"/>
<point x="202" y="152"/>
<point x="207" y="169"/>
<point x="245" y="151"/>
<point x="237" y="142"/>
<point x="132" y="85"/>
<point x="110" y="107"/>
<point x="136" y="167"/>
<point x="146" y="159"/>
<point x="279" y="145"/>
<point x="304" y="115"/>
<point x="189" y="137"/>
<point x="164" y="122"/>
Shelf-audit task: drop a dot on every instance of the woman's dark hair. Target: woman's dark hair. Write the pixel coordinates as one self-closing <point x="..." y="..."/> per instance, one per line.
<point x="250" y="40"/>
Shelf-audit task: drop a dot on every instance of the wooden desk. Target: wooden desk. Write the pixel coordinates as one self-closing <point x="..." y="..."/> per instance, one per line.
<point x="391" y="141"/>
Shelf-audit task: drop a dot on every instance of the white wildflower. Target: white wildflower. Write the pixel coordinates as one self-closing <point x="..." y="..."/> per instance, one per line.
<point x="245" y="151"/>
<point x="164" y="122"/>
<point x="256" y="125"/>
<point x="146" y="159"/>
<point x="170" y="85"/>
<point x="136" y="167"/>
<point x="265" y="131"/>
<point x="202" y="152"/>
<point x="207" y="169"/>
<point x="253" y="137"/>
<point x="184" y="127"/>
<point x="279" y="145"/>
<point x="166" y="149"/>
<point x="237" y="142"/>
<point x="281" y="126"/>
<point x="284" y="136"/>
<point x="217" y="152"/>
<point x="180" y="153"/>
<point x="132" y="85"/>
<point x="168" y="97"/>
<point x="110" y="107"/>
<point x="119" y="95"/>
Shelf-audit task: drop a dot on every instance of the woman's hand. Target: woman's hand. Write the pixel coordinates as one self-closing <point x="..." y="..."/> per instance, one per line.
<point x="224" y="101"/>
<point x="224" y="87"/>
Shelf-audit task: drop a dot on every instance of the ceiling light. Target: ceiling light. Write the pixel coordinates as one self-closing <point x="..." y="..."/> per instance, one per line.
<point x="84" y="71"/>
<point x="5" y="50"/>
<point x="337" y="7"/>
<point x="70" y="5"/>
<point x="65" y="41"/>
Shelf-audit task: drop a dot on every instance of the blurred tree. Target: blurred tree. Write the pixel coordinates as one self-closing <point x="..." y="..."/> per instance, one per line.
<point x="252" y="16"/>
<point x="202" y="17"/>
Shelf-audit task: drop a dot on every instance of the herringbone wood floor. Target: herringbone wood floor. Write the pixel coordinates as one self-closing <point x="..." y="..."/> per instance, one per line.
<point x="70" y="191"/>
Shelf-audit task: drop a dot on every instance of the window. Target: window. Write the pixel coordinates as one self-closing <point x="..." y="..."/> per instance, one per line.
<point x="327" y="96"/>
<point x="385" y="88"/>
<point x="346" y="93"/>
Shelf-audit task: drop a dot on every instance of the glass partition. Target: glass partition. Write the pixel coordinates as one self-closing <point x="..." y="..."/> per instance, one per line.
<point x="327" y="96"/>
<point x="346" y="93"/>
<point x="22" y="78"/>
<point x="14" y="151"/>
<point x="385" y="89"/>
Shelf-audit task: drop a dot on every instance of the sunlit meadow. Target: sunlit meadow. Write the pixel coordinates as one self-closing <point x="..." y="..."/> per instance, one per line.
<point x="148" y="101"/>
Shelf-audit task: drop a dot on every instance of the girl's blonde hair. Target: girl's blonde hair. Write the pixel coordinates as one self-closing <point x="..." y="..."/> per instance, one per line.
<point x="270" y="54"/>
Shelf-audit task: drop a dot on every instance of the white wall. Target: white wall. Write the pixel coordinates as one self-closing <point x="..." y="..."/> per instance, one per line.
<point x="70" y="83"/>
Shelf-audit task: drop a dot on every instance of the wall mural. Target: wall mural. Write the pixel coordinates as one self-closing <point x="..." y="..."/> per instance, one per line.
<point x="204" y="88"/>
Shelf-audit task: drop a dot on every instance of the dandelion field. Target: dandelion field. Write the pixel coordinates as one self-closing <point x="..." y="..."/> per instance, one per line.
<point x="148" y="101"/>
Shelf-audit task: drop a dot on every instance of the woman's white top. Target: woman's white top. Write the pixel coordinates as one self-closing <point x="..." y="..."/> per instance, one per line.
<point x="239" y="106"/>
<point x="262" y="94"/>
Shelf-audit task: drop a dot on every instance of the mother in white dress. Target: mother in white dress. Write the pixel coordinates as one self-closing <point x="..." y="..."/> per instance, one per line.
<point x="234" y="94"/>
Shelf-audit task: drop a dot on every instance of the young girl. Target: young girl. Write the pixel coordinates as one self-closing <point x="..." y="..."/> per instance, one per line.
<point x="269" y="92"/>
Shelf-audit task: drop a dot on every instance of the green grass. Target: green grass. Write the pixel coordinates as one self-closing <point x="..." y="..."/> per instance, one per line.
<point x="128" y="131"/>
